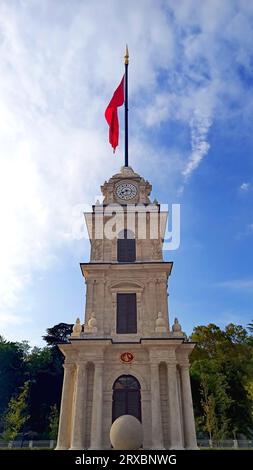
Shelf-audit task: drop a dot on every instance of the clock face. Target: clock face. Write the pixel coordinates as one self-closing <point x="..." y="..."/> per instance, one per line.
<point x="126" y="191"/>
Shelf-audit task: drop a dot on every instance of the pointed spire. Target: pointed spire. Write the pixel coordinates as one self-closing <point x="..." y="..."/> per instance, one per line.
<point x="126" y="56"/>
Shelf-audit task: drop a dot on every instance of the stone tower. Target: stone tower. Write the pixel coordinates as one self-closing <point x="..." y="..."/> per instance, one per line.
<point x="125" y="359"/>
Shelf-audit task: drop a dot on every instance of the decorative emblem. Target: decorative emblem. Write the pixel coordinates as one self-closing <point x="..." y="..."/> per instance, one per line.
<point x="126" y="357"/>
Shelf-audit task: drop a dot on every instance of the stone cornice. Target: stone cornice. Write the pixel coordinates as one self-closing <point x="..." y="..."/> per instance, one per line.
<point x="154" y="341"/>
<point x="152" y="266"/>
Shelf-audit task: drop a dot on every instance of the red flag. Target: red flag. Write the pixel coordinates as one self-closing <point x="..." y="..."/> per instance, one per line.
<point x="111" y="114"/>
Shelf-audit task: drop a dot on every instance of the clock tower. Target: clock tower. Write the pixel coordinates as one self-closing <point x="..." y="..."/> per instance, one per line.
<point x="125" y="358"/>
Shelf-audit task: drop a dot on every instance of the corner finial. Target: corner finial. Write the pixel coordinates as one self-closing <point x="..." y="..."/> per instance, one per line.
<point x="126" y="56"/>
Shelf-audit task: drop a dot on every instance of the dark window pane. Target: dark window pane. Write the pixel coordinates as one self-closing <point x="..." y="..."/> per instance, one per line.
<point x="126" y="400"/>
<point x="126" y="248"/>
<point x="126" y="313"/>
<point x="126" y="381"/>
<point x="133" y="400"/>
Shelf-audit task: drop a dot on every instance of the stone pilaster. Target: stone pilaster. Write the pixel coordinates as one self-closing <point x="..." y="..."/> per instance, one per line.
<point x="175" y="435"/>
<point x="151" y="303"/>
<point x="98" y="303"/>
<point x="97" y="407"/>
<point x="139" y="313"/>
<point x="167" y="303"/>
<point x="107" y="417"/>
<point x="160" y="292"/>
<point x="114" y="253"/>
<point x="168" y="307"/>
<point x="138" y="250"/>
<point x="64" y="432"/>
<point x="157" y="437"/>
<point x="188" y="416"/>
<point x="164" y="300"/>
<point x="78" y="428"/>
<point x="157" y="296"/>
<point x="89" y="298"/>
<point x="146" y="418"/>
<point x="114" y="313"/>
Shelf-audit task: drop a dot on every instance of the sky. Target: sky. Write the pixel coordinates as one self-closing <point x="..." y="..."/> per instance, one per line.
<point x="190" y="135"/>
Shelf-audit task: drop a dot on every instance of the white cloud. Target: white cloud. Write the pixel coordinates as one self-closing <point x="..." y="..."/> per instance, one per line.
<point x="59" y="64"/>
<point x="245" y="186"/>
<point x="11" y="319"/>
<point x="245" y="285"/>
<point x="226" y="317"/>
<point x="210" y="48"/>
<point x="200" y="125"/>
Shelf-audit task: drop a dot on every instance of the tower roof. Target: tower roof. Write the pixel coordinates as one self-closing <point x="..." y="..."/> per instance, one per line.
<point x="127" y="175"/>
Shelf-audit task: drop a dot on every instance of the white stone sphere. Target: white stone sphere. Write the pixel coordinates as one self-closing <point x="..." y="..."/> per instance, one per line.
<point x="126" y="433"/>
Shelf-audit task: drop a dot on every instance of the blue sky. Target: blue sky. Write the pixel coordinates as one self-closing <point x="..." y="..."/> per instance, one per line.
<point x="191" y="110"/>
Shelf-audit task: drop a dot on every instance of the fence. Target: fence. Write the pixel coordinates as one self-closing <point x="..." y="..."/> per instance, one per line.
<point x="226" y="444"/>
<point x="202" y="443"/>
<point x="27" y="444"/>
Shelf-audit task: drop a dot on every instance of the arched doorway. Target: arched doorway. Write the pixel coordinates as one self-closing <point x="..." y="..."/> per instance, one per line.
<point x="126" y="397"/>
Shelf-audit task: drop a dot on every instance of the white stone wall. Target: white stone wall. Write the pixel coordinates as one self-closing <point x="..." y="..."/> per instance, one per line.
<point x="149" y="282"/>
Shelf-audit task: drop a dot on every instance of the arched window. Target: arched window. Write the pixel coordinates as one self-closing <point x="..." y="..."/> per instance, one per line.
<point x="126" y="251"/>
<point x="126" y="397"/>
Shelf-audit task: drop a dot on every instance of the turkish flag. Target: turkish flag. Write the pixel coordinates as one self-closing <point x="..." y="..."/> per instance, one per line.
<point x="111" y="114"/>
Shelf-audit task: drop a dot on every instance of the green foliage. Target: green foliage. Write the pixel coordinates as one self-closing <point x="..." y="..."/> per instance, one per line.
<point x="17" y="413"/>
<point x="53" y="422"/>
<point x="12" y="369"/>
<point x="208" y="404"/>
<point x="215" y="401"/>
<point x="221" y="372"/>
<point x="45" y="368"/>
<point x="250" y="327"/>
<point x="58" y="334"/>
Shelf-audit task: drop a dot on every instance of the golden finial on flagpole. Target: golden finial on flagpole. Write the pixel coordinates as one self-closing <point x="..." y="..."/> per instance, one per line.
<point x="126" y="56"/>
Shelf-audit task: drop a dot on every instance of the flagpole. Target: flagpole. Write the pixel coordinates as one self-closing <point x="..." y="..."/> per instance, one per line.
<point x="126" y="105"/>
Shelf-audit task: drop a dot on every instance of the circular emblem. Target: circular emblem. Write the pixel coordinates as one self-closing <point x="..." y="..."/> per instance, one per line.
<point x="126" y="191"/>
<point x="126" y="357"/>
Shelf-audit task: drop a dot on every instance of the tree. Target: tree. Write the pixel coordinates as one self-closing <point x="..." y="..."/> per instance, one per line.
<point x="213" y="398"/>
<point x="46" y="371"/>
<point x="12" y="370"/>
<point x="53" y="422"/>
<point x="208" y="405"/>
<point x="58" y="334"/>
<point x="17" y="413"/>
<point x="250" y="327"/>
<point x="225" y="359"/>
<point x="42" y="367"/>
